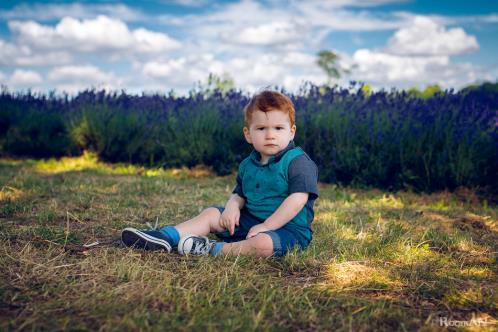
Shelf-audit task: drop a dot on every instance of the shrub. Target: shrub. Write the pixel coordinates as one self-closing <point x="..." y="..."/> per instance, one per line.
<point x="390" y="140"/>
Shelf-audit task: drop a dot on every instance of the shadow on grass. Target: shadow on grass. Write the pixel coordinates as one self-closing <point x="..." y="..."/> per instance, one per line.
<point x="437" y="263"/>
<point x="378" y="261"/>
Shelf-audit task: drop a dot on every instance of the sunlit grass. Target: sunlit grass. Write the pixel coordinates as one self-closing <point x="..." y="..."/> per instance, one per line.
<point x="378" y="261"/>
<point x="89" y="162"/>
<point x="10" y="193"/>
<point x="353" y="275"/>
<point x="477" y="272"/>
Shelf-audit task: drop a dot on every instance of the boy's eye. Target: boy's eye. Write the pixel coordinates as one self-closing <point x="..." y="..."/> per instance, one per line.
<point x="260" y="128"/>
<point x="280" y="128"/>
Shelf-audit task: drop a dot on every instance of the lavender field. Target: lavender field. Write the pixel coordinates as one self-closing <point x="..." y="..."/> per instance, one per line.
<point x="388" y="139"/>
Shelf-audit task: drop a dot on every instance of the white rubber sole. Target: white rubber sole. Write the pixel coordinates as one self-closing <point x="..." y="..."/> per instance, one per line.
<point x="186" y="243"/>
<point x="182" y="249"/>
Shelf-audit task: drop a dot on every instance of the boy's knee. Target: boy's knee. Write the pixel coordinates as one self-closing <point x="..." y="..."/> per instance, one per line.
<point x="211" y="212"/>
<point x="262" y="244"/>
<point x="213" y="216"/>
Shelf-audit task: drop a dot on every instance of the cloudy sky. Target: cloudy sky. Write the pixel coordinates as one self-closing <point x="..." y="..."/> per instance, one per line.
<point x="159" y="45"/>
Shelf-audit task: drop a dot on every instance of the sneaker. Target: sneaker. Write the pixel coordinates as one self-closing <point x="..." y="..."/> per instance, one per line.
<point x="195" y="245"/>
<point x="145" y="239"/>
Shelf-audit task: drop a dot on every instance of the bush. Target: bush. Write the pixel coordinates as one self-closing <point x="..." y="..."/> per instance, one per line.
<point x="390" y="140"/>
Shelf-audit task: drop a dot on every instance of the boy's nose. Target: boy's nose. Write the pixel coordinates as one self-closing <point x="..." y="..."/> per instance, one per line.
<point x="270" y="134"/>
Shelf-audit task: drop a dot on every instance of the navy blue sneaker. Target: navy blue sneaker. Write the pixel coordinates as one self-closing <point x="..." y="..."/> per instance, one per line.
<point x="146" y="239"/>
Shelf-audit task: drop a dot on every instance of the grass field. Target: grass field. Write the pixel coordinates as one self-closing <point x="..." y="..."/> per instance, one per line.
<point x="378" y="260"/>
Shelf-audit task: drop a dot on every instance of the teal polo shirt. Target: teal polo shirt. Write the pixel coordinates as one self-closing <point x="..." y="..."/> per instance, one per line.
<point x="265" y="187"/>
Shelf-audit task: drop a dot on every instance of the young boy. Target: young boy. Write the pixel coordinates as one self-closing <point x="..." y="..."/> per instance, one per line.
<point x="271" y="208"/>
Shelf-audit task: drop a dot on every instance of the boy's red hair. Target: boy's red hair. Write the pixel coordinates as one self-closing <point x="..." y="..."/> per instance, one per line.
<point x="267" y="101"/>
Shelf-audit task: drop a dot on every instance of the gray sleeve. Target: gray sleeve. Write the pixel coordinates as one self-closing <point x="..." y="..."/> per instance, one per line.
<point x="303" y="176"/>
<point x="238" y="187"/>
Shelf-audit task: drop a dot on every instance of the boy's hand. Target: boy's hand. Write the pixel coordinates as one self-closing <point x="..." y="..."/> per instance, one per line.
<point x="230" y="218"/>
<point x="255" y="230"/>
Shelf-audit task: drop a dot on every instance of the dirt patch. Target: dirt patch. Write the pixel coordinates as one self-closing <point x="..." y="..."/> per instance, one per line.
<point x="101" y="242"/>
<point x="474" y="223"/>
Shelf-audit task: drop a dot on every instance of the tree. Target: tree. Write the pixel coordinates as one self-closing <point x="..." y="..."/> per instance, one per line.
<point x="329" y="62"/>
<point x="428" y="92"/>
<point x="222" y="83"/>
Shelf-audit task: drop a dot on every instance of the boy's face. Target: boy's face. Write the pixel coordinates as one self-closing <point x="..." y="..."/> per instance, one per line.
<point x="269" y="133"/>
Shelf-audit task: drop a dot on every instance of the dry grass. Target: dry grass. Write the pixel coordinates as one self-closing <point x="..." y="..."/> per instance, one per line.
<point x="378" y="260"/>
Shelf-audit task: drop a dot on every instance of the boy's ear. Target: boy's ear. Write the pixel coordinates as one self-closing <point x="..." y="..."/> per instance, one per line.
<point x="247" y="135"/>
<point x="293" y="131"/>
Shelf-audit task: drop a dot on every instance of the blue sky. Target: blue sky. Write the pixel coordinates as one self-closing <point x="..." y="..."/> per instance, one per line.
<point x="159" y="45"/>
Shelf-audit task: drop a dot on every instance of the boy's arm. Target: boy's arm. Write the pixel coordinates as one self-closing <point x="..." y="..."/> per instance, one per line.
<point x="231" y="215"/>
<point x="236" y="201"/>
<point x="303" y="181"/>
<point x="289" y="208"/>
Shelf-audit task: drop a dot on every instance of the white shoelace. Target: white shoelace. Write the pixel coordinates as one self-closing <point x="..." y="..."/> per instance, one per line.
<point x="201" y="247"/>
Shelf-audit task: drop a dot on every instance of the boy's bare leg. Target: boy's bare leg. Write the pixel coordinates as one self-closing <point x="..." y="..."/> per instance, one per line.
<point x="206" y="222"/>
<point x="260" y="245"/>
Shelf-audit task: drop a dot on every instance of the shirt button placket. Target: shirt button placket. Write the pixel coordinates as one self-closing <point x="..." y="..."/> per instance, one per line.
<point x="257" y="178"/>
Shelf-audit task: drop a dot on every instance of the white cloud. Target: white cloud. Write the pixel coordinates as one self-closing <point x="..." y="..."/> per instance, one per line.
<point x="426" y="37"/>
<point x="84" y="74"/>
<point x="100" y="34"/>
<point x="299" y="59"/>
<point x="22" y="55"/>
<point x="52" y="11"/>
<point x="182" y="72"/>
<point x="492" y="18"/>
<point x="250" y="27"/>
<point x="268" y="34"/>
<point x="252" y="71"/>
<point x="389" y="70"/>
<point x="275" y="23"/>
<point x="458" y="20"/>
<point x="418" y="55"/>
<point x="313" y="13"/>
<point x="24" y="79"/>
<point x="357" y="3"/>
<point x="245" y="12"/>
<point x="46" y="12"/>
<point x="45" y="59"/>
<point x="163" y="69"/>
<point x="405" y="61"/>
<point x="72" y="79"/>
<point x="153" y="42"/>
<point x="379" y="66"/>
<point x="321" y="14"/>
<point x="263" y="70"/>
<point x="190" y="3"/>
<point x="258" y="43"/>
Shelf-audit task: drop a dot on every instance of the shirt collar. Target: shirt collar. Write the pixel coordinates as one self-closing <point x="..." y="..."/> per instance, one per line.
<point x="256" y="156"/>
